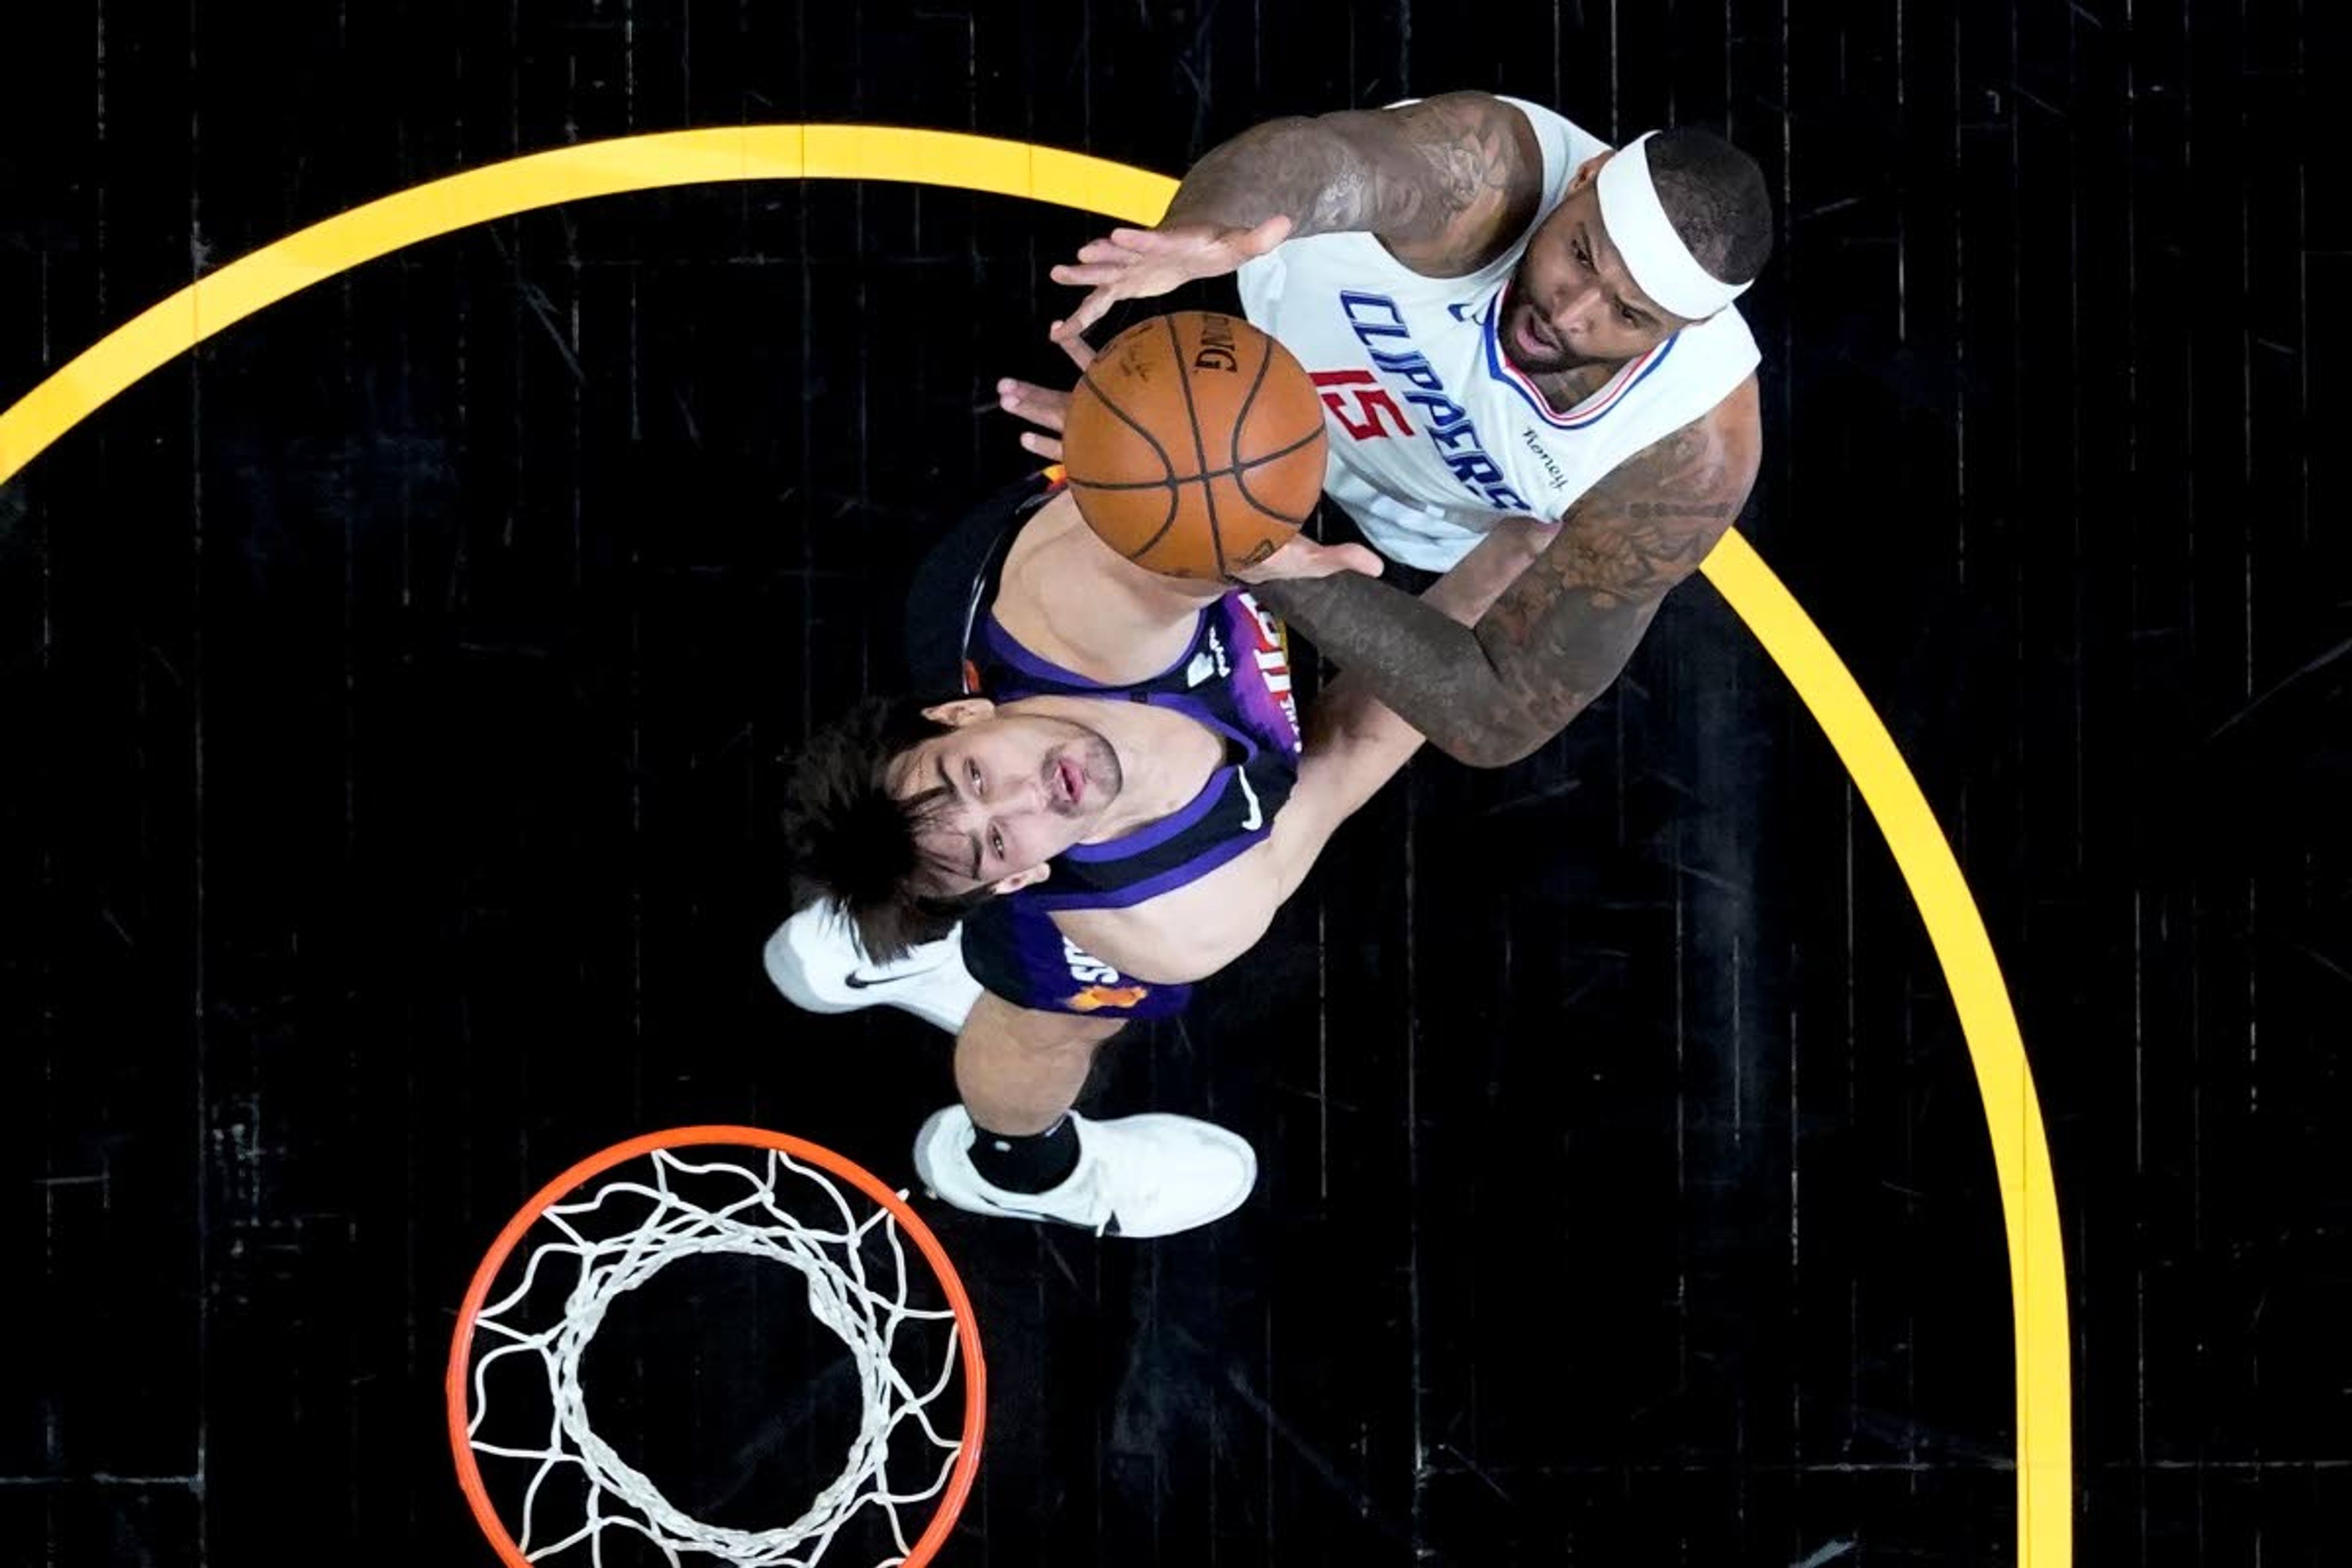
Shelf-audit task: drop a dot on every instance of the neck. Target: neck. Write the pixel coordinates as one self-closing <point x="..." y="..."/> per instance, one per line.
<point x="1567" y="387"/>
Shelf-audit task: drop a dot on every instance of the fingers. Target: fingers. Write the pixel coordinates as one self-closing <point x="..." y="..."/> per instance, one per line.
<point x="1264" y="237"/>
<point x="1329" y="560"/>
<point x="1091" y="310"/>
<point x="1081" y="353"/>
<point x="1302" y="557"/>
<point x="1091" y="274"/>
<point x="1111" y="249"/>
<point x="1044" y="447"/>
<point x="1038" y="404"/>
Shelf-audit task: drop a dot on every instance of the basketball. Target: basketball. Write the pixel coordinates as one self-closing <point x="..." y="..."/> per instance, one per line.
<point x="1194" y="445"/>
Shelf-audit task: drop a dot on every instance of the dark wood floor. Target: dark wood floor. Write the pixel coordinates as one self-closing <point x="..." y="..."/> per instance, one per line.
<point x="395" y="691"/>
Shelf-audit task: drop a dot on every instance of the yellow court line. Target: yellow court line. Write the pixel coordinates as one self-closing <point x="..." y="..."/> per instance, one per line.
<point x="1988" y="1020"/>
<point x="648" y="163"/>
<point x="2020" y="1150"/>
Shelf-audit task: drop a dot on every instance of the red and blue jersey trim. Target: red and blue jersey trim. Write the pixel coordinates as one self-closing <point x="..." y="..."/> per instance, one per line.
<point x="1629" y="376"/>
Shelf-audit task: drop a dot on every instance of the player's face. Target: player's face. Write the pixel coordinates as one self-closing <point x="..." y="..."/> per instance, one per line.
<point x="1571" y="304"/>
<point x="1020" y="788"/>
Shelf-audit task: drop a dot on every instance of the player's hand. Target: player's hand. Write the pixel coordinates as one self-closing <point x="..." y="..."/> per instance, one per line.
<point x="1302" y="557"/>
<point x="1042" y="405"/>
<point x="1138" y="263"/>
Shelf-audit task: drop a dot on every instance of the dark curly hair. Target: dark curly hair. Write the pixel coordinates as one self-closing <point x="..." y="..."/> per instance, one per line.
<point x="1714" y="197"/>
<point x="849" y="840"/>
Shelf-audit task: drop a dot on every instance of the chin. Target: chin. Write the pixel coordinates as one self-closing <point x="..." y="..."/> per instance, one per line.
<point x="1103" y="772"/>
<point x="1537" y="361"/>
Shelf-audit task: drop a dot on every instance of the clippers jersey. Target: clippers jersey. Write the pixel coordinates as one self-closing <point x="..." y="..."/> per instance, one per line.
<point x="1435" y="435"/>
<point x="1233" y="678"/>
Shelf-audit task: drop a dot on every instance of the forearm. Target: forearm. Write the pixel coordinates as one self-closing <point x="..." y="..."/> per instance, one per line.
<point x="1348" y="712"/>
<point x="1564" y="628"/>
<point x="1406" y="174"/>
<point x="1419" y="662"/>
<point x="1355" y="743"/>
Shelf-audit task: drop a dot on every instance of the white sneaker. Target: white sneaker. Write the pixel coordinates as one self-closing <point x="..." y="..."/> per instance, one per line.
<point x="814" y="959"/>
<point x="1137" y="1176"/>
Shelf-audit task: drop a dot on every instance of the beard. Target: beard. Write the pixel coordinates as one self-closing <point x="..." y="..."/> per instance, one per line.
<point x="1527" y="341"/>
<point x="1096" y="761"/>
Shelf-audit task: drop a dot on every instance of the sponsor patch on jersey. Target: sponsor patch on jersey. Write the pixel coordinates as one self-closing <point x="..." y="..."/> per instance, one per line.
<point x="1209" y="661"/>
<point x="1552" y="470"/>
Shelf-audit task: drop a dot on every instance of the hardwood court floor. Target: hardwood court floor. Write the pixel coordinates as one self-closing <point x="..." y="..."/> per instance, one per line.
<point x="396" y="688"/>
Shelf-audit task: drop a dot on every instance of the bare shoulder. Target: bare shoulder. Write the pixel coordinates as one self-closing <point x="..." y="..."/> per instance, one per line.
<point x="1473" y="166"/>
<point x="1071" y="598"/>
<point x="1703" y="468"/>
<point x="1647" y="524"/>
<point x="1739" y="419"/>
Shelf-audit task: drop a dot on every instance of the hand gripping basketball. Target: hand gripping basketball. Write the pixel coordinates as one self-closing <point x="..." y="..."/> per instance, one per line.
<point x="1194" y="445"/>
<point x="1303" y="558"/>
<point x="1043" y="406"/>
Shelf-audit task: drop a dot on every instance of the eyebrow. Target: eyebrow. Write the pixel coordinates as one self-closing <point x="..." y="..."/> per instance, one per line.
<point x="1593" y="247"/>
<point x="941" y="763"/>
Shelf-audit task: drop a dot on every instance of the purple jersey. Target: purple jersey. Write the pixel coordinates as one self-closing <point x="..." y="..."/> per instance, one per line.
<point x="1234" y="677"/>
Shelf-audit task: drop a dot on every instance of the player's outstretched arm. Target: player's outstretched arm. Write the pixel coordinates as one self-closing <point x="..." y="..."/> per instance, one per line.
<point x="1490" y="694"/>
<point x="1447" y="183"/>
<point x="1354" y="743"/>
<point x="1353" y="746"/>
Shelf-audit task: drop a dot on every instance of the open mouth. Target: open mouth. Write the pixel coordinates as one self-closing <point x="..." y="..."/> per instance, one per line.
<point x="1069" y="780"/>
<point x="1529" y="341"/>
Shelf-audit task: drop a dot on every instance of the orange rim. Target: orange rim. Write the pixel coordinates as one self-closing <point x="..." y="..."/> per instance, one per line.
<point x="461" y="1344"/>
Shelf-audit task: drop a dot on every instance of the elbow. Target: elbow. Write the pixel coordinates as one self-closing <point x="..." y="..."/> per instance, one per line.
<point x="1494" y="746"/>
<point x="1494" y="728"/>
<point x="1289" y="137"/>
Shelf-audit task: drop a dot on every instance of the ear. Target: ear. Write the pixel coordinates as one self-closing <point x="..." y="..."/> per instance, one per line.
<point x="963" y="710"/>
<point x="1587" y="171"/>
<point x="1020" y="880"/>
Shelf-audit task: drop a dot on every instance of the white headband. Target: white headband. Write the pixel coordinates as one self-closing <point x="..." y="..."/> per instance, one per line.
<point x="1653" y="252"/>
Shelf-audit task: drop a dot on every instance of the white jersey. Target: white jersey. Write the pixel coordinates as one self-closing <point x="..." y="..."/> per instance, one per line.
<point x="1435" y="435"/>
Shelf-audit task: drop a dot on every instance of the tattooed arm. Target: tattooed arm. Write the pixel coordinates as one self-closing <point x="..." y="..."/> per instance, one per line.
<point x="1490" y="694"/>
<point x="1446" y="184"/>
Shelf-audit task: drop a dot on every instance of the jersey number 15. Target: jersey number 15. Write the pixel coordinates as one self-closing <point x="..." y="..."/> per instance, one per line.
<point x="1357" y="400"/>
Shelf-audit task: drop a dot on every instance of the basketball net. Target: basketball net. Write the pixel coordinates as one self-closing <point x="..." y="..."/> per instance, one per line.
<point x="612" y="1240"/>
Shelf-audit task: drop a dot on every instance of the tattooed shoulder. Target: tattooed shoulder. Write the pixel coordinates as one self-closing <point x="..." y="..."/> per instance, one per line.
<point x="1479" y="162"/>
<point x="1650" y="522"/>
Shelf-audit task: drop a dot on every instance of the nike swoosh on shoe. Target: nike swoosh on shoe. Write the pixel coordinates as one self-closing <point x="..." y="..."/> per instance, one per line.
<point x="857" y="981"/>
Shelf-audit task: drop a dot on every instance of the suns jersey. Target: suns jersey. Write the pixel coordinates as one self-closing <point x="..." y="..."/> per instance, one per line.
<point x="1232" y="677"/>
<point x="1234" y="680"/>
<point x="1435" y="435"/>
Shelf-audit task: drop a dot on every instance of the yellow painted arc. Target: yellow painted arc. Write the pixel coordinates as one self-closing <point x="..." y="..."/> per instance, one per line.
<point x="2037" y="1259"/>
<point x="1955" y="929"/>
<point x="728" y="153"/>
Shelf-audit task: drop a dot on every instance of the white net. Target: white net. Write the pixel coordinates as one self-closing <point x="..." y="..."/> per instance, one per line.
<point x="627" y="1230"/>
